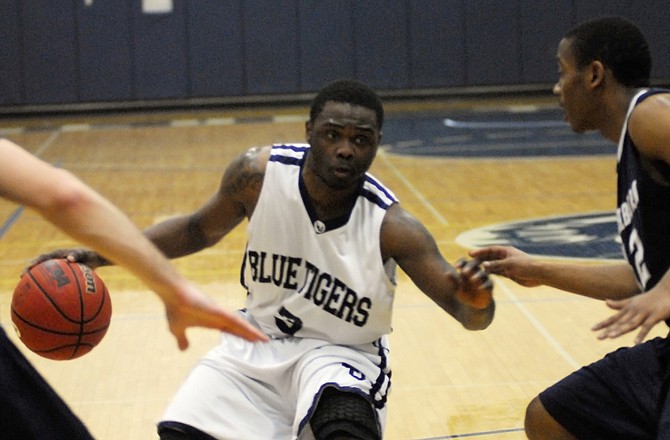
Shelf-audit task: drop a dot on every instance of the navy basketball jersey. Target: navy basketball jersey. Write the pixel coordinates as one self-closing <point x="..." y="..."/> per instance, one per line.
<point x="308" y="278"/>
<point x="643" y="212"/>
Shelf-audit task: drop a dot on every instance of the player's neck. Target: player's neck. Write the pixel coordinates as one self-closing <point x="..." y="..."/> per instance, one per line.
<point x="329" y="202"/>
<point x="615" y="111"/>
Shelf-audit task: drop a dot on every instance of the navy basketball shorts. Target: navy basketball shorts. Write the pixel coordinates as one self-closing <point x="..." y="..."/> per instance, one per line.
<point x="29" y="408"/>
<point x="620" y="397"/>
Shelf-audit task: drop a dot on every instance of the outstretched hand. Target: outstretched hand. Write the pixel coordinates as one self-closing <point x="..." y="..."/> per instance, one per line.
<point x="475" y="287"/>
<point x="641" y="311"/>
<point x="186" y="306"/>
<point x="509" y="262"/>
<point x="195" y="309"/>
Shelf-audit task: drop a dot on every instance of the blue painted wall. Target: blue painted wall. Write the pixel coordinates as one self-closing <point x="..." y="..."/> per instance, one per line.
<point x="65" y="52"/>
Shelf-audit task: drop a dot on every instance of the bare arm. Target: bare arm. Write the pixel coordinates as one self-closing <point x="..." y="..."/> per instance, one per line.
<point x="186" y="234"/>
<point x="235" y="199"/>
<point x="649" y="127"/>
<point x="466" y="294"/>
<point x="88" y="217"/>
<point x="614" y="281"/>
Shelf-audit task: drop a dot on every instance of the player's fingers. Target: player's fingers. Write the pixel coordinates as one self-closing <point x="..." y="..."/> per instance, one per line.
<point x="626" y="323"/>
<point x="249" y="333"/>
<point x="460" y="263"/>
<point x="486" y="283"/>
<point x="644" y="331"/>
<point x="45" y="257"/>
<point x="182" y="341"/>
<point x="40" y="259"/>
<point x="478" y="276"/>
<point x="470" y="268"/>
<point x="229" y="323"/>
<point x="493" y="267"/>
<point x="607" y="322"/>
<point x="205" y="313"/>
<point x="488" y="253"/>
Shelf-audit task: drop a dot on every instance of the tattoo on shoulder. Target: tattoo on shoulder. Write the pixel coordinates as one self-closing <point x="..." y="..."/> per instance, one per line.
<point x="245" y="173"/>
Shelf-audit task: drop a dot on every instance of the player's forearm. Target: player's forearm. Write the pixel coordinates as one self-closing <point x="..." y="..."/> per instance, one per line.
<point x="178" y="236"/>
<point x="92" y="220"/>
<point x="608" y="281"/>
<point x="470" y="317"/>
<point x="79" y="211"/>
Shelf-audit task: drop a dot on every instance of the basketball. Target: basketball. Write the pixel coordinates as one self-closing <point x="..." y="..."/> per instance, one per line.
<point x="61" y="310"/>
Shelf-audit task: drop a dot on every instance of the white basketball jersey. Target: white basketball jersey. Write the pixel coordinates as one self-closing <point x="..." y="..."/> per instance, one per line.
<point x="307" y="278"/>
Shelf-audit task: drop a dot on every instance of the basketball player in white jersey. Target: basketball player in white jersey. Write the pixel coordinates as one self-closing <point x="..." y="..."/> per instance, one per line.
<point x="324" y="239"/>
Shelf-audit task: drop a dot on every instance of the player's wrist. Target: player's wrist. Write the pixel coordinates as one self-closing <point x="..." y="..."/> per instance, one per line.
<point x="96" y="260"/>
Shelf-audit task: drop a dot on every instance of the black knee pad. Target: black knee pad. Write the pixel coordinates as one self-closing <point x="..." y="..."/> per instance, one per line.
<point x="342" y="414"/>
<point x="180" y="431"/>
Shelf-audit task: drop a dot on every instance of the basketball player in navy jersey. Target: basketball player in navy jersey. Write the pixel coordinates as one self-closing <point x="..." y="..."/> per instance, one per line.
<point x="604" y="68"/>
<point x="324" y="240"/>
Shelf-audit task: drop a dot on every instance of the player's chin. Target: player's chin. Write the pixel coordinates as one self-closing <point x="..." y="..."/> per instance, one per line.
<point x="577" y="126"/>
<point x="578" y="129"/>
<point x="343" y="180"/>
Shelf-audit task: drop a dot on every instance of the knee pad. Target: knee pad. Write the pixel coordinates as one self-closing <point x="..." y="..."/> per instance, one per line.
<point x="180" y="431"/>
<point x="342" y="414"/>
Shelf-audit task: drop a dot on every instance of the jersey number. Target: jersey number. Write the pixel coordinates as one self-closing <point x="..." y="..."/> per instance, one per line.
<point x="287" y="321"/>
<point x="637" y="250"/>
<point x="354" y="372"/>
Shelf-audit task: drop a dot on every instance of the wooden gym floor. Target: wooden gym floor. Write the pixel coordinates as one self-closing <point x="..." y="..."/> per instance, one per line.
<point x="447" y="382"/>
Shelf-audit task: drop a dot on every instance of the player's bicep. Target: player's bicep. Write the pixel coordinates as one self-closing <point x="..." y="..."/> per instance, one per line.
<point x="237" y="194"/>
<point x="649" y="128"/>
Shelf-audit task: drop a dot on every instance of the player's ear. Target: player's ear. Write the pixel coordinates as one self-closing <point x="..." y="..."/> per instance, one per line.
<point x="597" y="73"/>
<point x="308" y="130"/>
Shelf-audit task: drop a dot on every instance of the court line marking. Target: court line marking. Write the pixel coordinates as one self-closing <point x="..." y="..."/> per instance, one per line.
<point x="538" y="326"/>
<point x="504" y="124"/>
<point x="382" y="155"/>
<point x="47" y="143"/>
<point x="476" y="434"/>
<point x="14" y="216"/>
<point x="168" y="122"/>
<point x="419" y="149"/>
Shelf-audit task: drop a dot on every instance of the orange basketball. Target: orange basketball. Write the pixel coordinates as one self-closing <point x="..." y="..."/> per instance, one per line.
<point x="61" y="310"/>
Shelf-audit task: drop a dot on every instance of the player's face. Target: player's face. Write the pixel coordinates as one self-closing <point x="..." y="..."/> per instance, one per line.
<point x="572" y="89"/>
<point x="344" y="140"/>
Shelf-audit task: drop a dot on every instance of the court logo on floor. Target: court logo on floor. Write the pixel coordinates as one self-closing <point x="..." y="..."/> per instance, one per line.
<point x="581" y="236"/>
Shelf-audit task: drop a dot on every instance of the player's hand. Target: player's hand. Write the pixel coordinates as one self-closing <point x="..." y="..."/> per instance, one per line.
<point x="475" y="287"/>
<point x="195" y="309"/>
<point x="78" y="255"/>
<point x="509" y="262"/>
<point x="641" y="311"/>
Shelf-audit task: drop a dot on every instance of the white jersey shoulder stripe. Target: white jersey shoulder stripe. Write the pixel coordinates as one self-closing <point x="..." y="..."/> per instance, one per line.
<point x="290" y="154"/>
<point x="376" y="192"/>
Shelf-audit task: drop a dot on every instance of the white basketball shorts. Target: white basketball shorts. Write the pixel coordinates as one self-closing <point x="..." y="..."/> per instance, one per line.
<point x="243" y="390"/>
